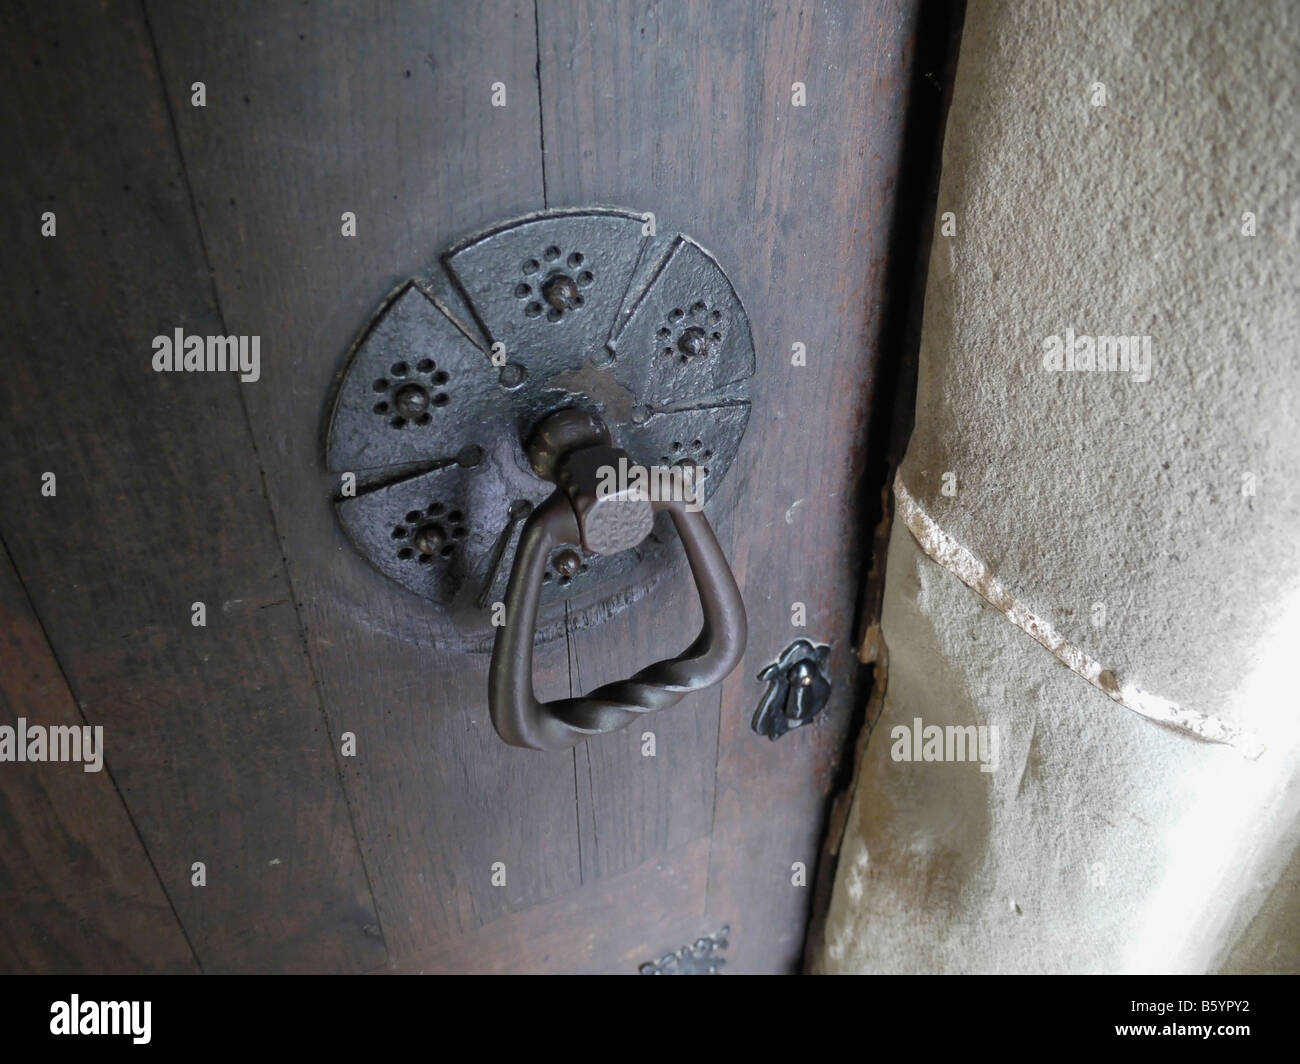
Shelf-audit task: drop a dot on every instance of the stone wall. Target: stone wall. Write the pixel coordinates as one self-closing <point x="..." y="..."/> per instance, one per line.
<point x="1097" y="545"/>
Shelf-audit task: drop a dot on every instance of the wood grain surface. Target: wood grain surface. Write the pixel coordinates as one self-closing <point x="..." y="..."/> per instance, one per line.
<point x="225" y="742"/>
<point x="686" y="109"/>
<point x="77" y="889"/>
<point x="214" y="734"/>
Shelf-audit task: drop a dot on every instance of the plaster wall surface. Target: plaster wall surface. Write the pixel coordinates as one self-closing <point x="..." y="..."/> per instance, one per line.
<point x="1103" y="565"/>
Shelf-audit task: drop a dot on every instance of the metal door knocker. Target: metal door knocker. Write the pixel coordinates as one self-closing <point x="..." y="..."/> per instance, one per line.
<point x="478" y="412"/>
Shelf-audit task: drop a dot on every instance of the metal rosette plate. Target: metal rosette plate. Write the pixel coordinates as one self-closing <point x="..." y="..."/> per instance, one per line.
<point x="559" y="309"/>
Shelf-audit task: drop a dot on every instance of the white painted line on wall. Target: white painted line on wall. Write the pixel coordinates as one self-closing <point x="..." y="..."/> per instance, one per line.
<point x="958" y="560"/>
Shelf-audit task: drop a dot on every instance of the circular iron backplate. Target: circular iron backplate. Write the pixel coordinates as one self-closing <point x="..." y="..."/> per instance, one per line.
<point x="565" y="308"/>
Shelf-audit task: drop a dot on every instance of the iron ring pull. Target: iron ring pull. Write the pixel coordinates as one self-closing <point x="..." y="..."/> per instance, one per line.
<point x="523" y="721"/>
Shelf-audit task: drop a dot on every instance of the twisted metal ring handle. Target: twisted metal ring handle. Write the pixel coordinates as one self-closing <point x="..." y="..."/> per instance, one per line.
<point x="523" y="721"/>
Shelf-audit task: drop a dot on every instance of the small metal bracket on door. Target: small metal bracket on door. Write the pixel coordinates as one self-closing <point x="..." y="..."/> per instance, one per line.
<point x="798" y="689"/>
<point x="701" y="957"/>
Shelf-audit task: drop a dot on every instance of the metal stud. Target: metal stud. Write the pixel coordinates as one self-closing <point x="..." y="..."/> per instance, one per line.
<point x="568" y="563"/>
<point x="430" y="539"/>
<point x="411" y="400"/>
<point x="693" y="343"/>
<point x="561" y="292"/>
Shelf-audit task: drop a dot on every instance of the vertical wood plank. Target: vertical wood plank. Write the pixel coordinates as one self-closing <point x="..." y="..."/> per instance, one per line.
<point x="642" y="806"/>
<point x="383" y="110"/>
<point x="214" y="734"/>
<point x="610" y="927"/>
<point x="76" y="887"/>
<point x="686" y="110"/>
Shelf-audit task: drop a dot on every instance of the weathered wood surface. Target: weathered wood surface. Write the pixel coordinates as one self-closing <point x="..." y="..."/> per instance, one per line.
<point x="686" y="110"/>
<point x="384" y="111"/>
<point x="214" y="734"/>
<point x="230" y="735"/>
<point x="76" y="887"/>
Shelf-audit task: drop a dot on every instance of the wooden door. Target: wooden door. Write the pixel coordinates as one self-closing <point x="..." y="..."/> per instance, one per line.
<point x="217" y="209"/>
